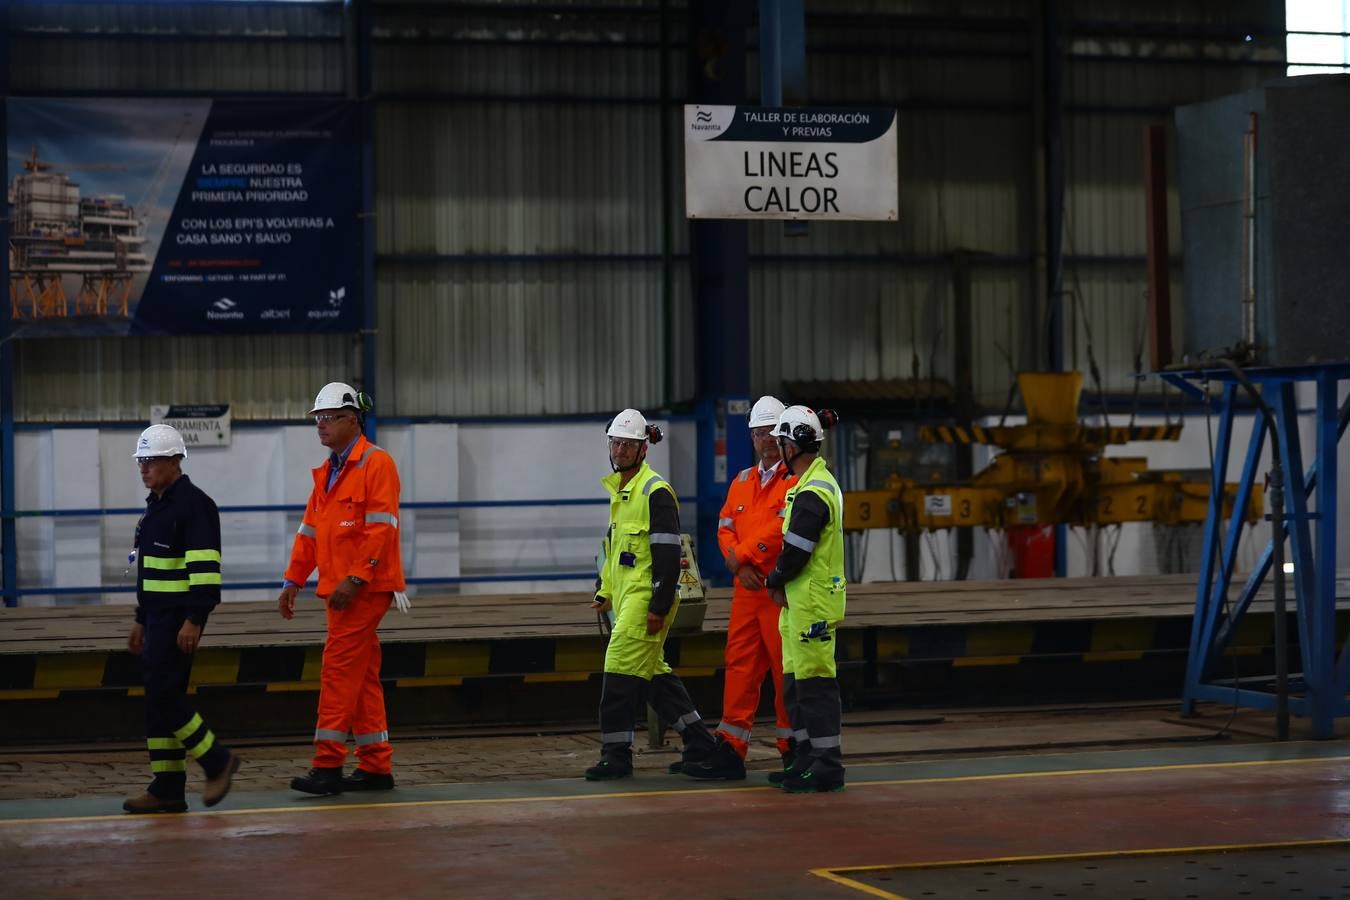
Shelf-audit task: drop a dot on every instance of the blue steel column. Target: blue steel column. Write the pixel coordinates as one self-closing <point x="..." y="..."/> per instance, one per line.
<point x="1202" y="623"/>
<point x="9" y="545"/>
<point x="719" y="266"/>
<point x="782" y="66"/>
<point x="362" y="83"/>
<point x="1324" y="632"/>
<point x="1284" y="400"/>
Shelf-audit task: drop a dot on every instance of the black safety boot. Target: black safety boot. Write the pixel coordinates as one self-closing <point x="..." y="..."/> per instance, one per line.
<point x="609" y="769"/>
<point x="723" y="764"/>
<point x="811" y="782"/>
<point x="320" y="782"/>
<point x="361" y="780"/>
<point x="149" y="803"/>
<point x="790" y="763"/>
<point x="691" y="755"/>
<point x="616" y="761"/>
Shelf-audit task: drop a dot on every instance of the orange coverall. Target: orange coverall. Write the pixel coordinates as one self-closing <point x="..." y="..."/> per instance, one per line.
<point x="352" y="530"/>
<point x="751" y="524"/>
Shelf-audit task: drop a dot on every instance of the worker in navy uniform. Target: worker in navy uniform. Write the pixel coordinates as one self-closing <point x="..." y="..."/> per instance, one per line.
<point x="177" y="555"/>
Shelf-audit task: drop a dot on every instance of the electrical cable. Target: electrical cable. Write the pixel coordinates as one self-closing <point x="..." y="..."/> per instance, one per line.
<point x="932" y="551"/>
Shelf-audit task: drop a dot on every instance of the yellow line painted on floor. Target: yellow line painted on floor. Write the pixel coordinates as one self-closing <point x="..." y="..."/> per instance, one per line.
<point x="832" y="874"/>
<point x="481" y="801"/>
<point x="829" y="875"/>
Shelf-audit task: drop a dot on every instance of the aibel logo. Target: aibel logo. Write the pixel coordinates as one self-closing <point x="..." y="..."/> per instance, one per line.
<point x="224" y="304"/>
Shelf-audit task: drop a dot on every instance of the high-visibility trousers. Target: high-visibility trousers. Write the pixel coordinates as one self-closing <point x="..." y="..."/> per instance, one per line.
<point x="351" y="698"/>
<point x="754" y="647"/>
<point x="631" y="650"/>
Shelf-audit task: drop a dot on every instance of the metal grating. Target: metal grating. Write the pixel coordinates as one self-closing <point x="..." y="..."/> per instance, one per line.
<point x="1314" y="872"/>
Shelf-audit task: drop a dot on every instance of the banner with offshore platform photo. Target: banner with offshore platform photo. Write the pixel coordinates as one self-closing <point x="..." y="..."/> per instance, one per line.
<point x="182" y="216"/>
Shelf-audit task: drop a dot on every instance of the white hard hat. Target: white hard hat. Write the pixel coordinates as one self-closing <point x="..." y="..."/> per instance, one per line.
<point x="336" y="395"/>
<point x="628" y="424"/>
<point x="160" y="440"/>
<point x="633" y="425"/>
<point x="801" y="425"/>
<point x="765" y="411"/>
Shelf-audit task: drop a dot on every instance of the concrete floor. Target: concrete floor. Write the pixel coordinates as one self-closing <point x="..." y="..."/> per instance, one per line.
<point x="664" y="836"/>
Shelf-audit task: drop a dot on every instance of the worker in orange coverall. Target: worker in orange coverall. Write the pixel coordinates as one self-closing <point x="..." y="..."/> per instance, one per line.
<point x="350" y="533"/>
<point x="750" y="533"/>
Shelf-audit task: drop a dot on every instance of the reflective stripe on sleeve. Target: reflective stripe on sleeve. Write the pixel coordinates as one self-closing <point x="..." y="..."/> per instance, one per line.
<point x="374" y="737"/>
<point x="201" y="556"/>
<point x="727" y="523"/>
<point x="164" y="587"/>
<point x="384" y="518"/>
<point x="306" y="530"/>
<point x="164" y="563"/>
<point x="785" y="733"/>
<point x="163" y="744"/>
<point x="801" y="735"/>
<point x="201" y="578"/>
<point x="328" y="734"/>
<point x="665" y="538"/>
<point x="825" y="742"/>
<point x="364" y="456"/>
<point x="799" y="542"/>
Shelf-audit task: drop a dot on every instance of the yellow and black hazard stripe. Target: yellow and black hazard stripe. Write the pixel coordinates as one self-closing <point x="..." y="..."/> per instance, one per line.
<point x="580" y="659"/>
<point x="955" y="434"/>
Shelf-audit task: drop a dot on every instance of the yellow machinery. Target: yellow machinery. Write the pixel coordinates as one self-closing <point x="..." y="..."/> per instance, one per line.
<point x="1052" y="471"/>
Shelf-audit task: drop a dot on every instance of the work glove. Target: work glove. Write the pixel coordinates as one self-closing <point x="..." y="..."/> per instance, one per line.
<point x="402" y="602"/>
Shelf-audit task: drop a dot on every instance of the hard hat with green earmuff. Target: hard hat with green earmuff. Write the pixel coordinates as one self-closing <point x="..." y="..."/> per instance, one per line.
<point x="338" y="395"/>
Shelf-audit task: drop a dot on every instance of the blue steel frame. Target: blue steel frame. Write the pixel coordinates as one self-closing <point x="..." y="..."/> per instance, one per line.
<point x="1325" y="676"/>
<point x="9" y="547"/>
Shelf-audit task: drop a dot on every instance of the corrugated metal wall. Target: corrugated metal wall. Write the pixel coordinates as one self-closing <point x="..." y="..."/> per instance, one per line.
<point x="524" y="262"/>
<point x="1129" y="64"/>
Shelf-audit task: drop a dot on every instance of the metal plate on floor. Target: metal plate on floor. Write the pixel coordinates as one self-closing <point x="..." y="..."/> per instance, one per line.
<point x="1310" y="870"/>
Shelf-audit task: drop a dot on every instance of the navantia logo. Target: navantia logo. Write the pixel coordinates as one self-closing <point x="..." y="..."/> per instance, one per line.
<point x="224" y="304"/>
<point x="703" y="116"/>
